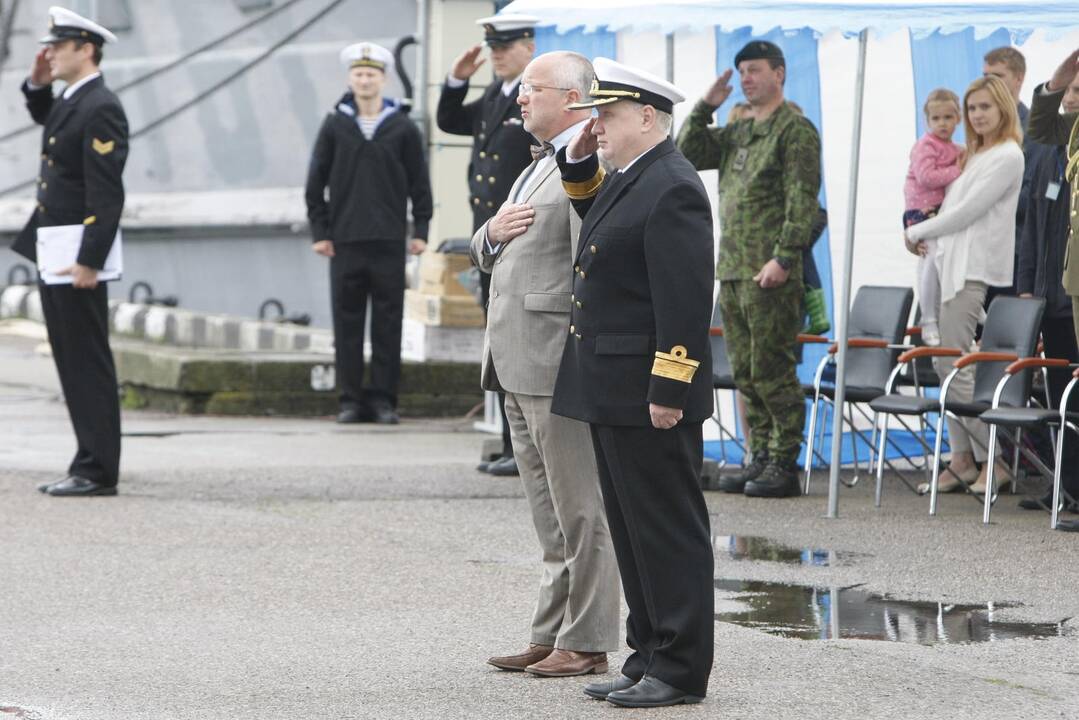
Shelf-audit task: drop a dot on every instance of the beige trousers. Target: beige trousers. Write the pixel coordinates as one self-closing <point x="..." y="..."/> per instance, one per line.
<point x="579" y="593"/>
<point x="959" y="318"/>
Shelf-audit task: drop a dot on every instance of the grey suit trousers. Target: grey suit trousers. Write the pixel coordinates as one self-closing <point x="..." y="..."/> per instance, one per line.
<point x="579" y="591"/>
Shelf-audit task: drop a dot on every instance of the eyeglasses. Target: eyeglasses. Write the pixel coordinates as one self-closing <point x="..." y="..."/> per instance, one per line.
<point x="527" y="88"/>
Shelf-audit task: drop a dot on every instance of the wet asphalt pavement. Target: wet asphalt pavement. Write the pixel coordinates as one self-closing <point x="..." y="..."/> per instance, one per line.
<point x="282" y="568"/>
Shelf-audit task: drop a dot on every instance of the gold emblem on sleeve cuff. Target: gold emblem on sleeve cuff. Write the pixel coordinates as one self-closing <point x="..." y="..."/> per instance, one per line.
<point x="675" y="365"/>
<point x="90" y="220"/>
<point x="586" y="189"/>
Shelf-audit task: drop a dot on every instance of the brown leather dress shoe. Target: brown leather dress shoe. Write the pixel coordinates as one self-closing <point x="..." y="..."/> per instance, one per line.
<point x="566" y="663"/>
<point x="517" y="663"/>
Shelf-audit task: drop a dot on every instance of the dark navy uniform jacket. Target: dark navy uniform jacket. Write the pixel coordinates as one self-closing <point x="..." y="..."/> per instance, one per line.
<point x="83" y="151"/>
<point x="500" y="148"/>
<point x="642" y="292"/>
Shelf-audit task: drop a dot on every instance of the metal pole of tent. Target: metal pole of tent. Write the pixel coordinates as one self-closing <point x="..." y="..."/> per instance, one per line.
<point x="848" y="268"/>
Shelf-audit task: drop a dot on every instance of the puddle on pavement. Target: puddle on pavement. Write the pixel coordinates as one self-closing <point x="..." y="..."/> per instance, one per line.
<point x="748" y="547"/>
<point x="811" y="613"/>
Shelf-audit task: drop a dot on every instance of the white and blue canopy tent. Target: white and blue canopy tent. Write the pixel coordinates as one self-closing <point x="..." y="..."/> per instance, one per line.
<point x="848" y="62"/>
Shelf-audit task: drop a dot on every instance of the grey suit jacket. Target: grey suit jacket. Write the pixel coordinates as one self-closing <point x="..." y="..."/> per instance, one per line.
<point x="531" y="280"/>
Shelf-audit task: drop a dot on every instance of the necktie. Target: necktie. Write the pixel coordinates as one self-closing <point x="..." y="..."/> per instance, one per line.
<point x="543" y="150"/>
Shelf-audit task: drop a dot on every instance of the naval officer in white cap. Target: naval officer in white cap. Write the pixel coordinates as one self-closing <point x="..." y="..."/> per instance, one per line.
<point x="83" y="152"/>
<point x="500" y="143"/>
<point x="369" y="155"/>
<point x="636" y="369"/>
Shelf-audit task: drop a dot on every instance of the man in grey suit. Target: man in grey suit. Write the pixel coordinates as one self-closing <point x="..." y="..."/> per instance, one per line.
<point x="528" y="248"/>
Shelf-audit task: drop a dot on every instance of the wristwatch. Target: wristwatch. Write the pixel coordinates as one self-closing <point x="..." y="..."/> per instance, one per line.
<point x="784" y="263"/>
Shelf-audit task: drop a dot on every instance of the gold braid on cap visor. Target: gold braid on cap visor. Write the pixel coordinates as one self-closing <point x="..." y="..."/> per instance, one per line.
<point x="368" y="62"/>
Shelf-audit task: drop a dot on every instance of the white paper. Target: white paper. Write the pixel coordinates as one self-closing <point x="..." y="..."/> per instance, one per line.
<point x="58" y="248"/>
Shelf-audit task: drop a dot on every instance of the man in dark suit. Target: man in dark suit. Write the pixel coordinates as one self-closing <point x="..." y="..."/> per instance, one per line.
<point x="636" y="367"/>
<point x="500" y="147"/>
<point x="84" y="148"/>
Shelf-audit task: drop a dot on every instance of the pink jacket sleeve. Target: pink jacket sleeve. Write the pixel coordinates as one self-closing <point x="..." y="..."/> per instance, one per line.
<point x="928" y="172"/>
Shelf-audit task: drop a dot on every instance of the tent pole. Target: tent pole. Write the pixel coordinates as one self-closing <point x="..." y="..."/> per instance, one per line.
<point x="848" y="269"/>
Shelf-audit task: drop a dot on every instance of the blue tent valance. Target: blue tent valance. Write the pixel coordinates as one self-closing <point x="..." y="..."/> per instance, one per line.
<point x="1019" y="17"/>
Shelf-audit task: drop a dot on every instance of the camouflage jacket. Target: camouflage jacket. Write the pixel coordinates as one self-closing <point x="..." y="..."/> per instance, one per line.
<point x="769" y="179"/>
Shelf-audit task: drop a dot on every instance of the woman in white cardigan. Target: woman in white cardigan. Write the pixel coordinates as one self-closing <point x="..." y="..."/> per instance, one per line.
<point x="975" y="234"/>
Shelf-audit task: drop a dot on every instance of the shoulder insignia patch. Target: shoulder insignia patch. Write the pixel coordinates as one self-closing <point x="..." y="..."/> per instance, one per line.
<point x="103" y="148"/>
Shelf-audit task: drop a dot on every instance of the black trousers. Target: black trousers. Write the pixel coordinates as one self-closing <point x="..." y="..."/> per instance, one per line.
<point x="78" y="325"/>
<point x="359" y="272"/>
<point x="1058" y="334"/>
<point x="659" y="526"/>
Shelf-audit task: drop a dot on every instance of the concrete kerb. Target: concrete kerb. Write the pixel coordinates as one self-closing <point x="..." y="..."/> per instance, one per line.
<point x="129" y="319"/>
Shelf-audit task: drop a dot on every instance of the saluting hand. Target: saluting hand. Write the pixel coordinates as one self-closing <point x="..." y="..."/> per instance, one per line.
<point x="40" y="72"/>
<point x="1064" y="74"/>
<point x="467" y="63"/>
<point x="583" y="143"/>
<point x="664" y="418"/>
<point x="509" y="222"/>
<point x="721" y="89"/>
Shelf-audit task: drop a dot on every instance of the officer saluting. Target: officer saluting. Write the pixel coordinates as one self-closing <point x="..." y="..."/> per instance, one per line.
<point x="500" y="148"/>
<point x="636" y="368"/>
<point x="83" y="152"/>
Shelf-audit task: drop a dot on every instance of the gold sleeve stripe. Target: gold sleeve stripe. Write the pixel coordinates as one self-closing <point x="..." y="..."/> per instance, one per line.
<point x="90" y="220"/>
<point x="586" y="189"/>
<point x="675" y="365"/>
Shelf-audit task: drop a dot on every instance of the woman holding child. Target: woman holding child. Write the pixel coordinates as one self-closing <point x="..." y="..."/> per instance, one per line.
<point x="971" y="245"/>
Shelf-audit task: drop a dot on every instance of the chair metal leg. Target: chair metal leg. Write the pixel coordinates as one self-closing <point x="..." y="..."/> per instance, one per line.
<point x="808" y="468"/>
<point x="853" y="444"/>
<point x="1015" y="458"/>
<point x="991" y="475"/>
<point x="873" y="446"/>
<point x="935" y="482"/>
<point x="1055" y="512"/>
<point x="883" y="435"/>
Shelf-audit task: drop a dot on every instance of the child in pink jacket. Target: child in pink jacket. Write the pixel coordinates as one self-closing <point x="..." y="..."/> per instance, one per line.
<point x="934" y="164"/>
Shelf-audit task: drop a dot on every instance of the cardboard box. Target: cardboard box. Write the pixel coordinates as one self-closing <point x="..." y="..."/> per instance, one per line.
<point x="420" y="343"/>
<point x="451" y="262"/>
<point x="435" y="280"/>
<point x="443" y="310"/>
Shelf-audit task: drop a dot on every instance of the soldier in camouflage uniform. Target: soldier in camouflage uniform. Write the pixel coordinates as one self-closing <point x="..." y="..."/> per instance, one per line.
<point x="769" y="170"/>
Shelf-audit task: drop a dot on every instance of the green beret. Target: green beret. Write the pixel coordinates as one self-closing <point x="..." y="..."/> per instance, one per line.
<point x="759" y="50"/>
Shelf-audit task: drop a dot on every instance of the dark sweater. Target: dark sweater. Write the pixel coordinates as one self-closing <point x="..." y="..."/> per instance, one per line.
<point x="370" y="181"/>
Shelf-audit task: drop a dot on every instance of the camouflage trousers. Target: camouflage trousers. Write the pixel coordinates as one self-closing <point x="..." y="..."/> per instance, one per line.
<point x="761" y="328"/>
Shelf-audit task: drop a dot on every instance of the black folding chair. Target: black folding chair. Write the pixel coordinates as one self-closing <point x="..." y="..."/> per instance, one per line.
<point x="876" y="326"/>
<point x="722" y="379"/>
<point x="1010" y="333"/>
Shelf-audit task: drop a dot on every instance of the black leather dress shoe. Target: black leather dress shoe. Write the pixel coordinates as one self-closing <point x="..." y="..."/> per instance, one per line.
<point x="506" y="467"/>
<point x="1068" y="525"/>
<point x="601" y="690"/>
<point x="385" y="414"/>
<point x="1044" y="503"/>
<point x="651" y="692"/>
<point x="351" y="415"/>
<point x="44" y="487"/>
<point x="79" y="487"/>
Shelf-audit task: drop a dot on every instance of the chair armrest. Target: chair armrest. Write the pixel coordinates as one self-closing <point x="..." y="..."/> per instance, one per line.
<point x="912" y="331"/>
<point x="984" y="356"/>
<point x="1024" y="363"/>
<point x="860" y="343"/>
<point x="715" y="332"/>
<point x="819" y="339"/>
<point x="929" y="351"/>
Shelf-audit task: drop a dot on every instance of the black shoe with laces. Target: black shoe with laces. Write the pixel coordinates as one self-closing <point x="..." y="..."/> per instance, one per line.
<point x="736" y="483"/>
